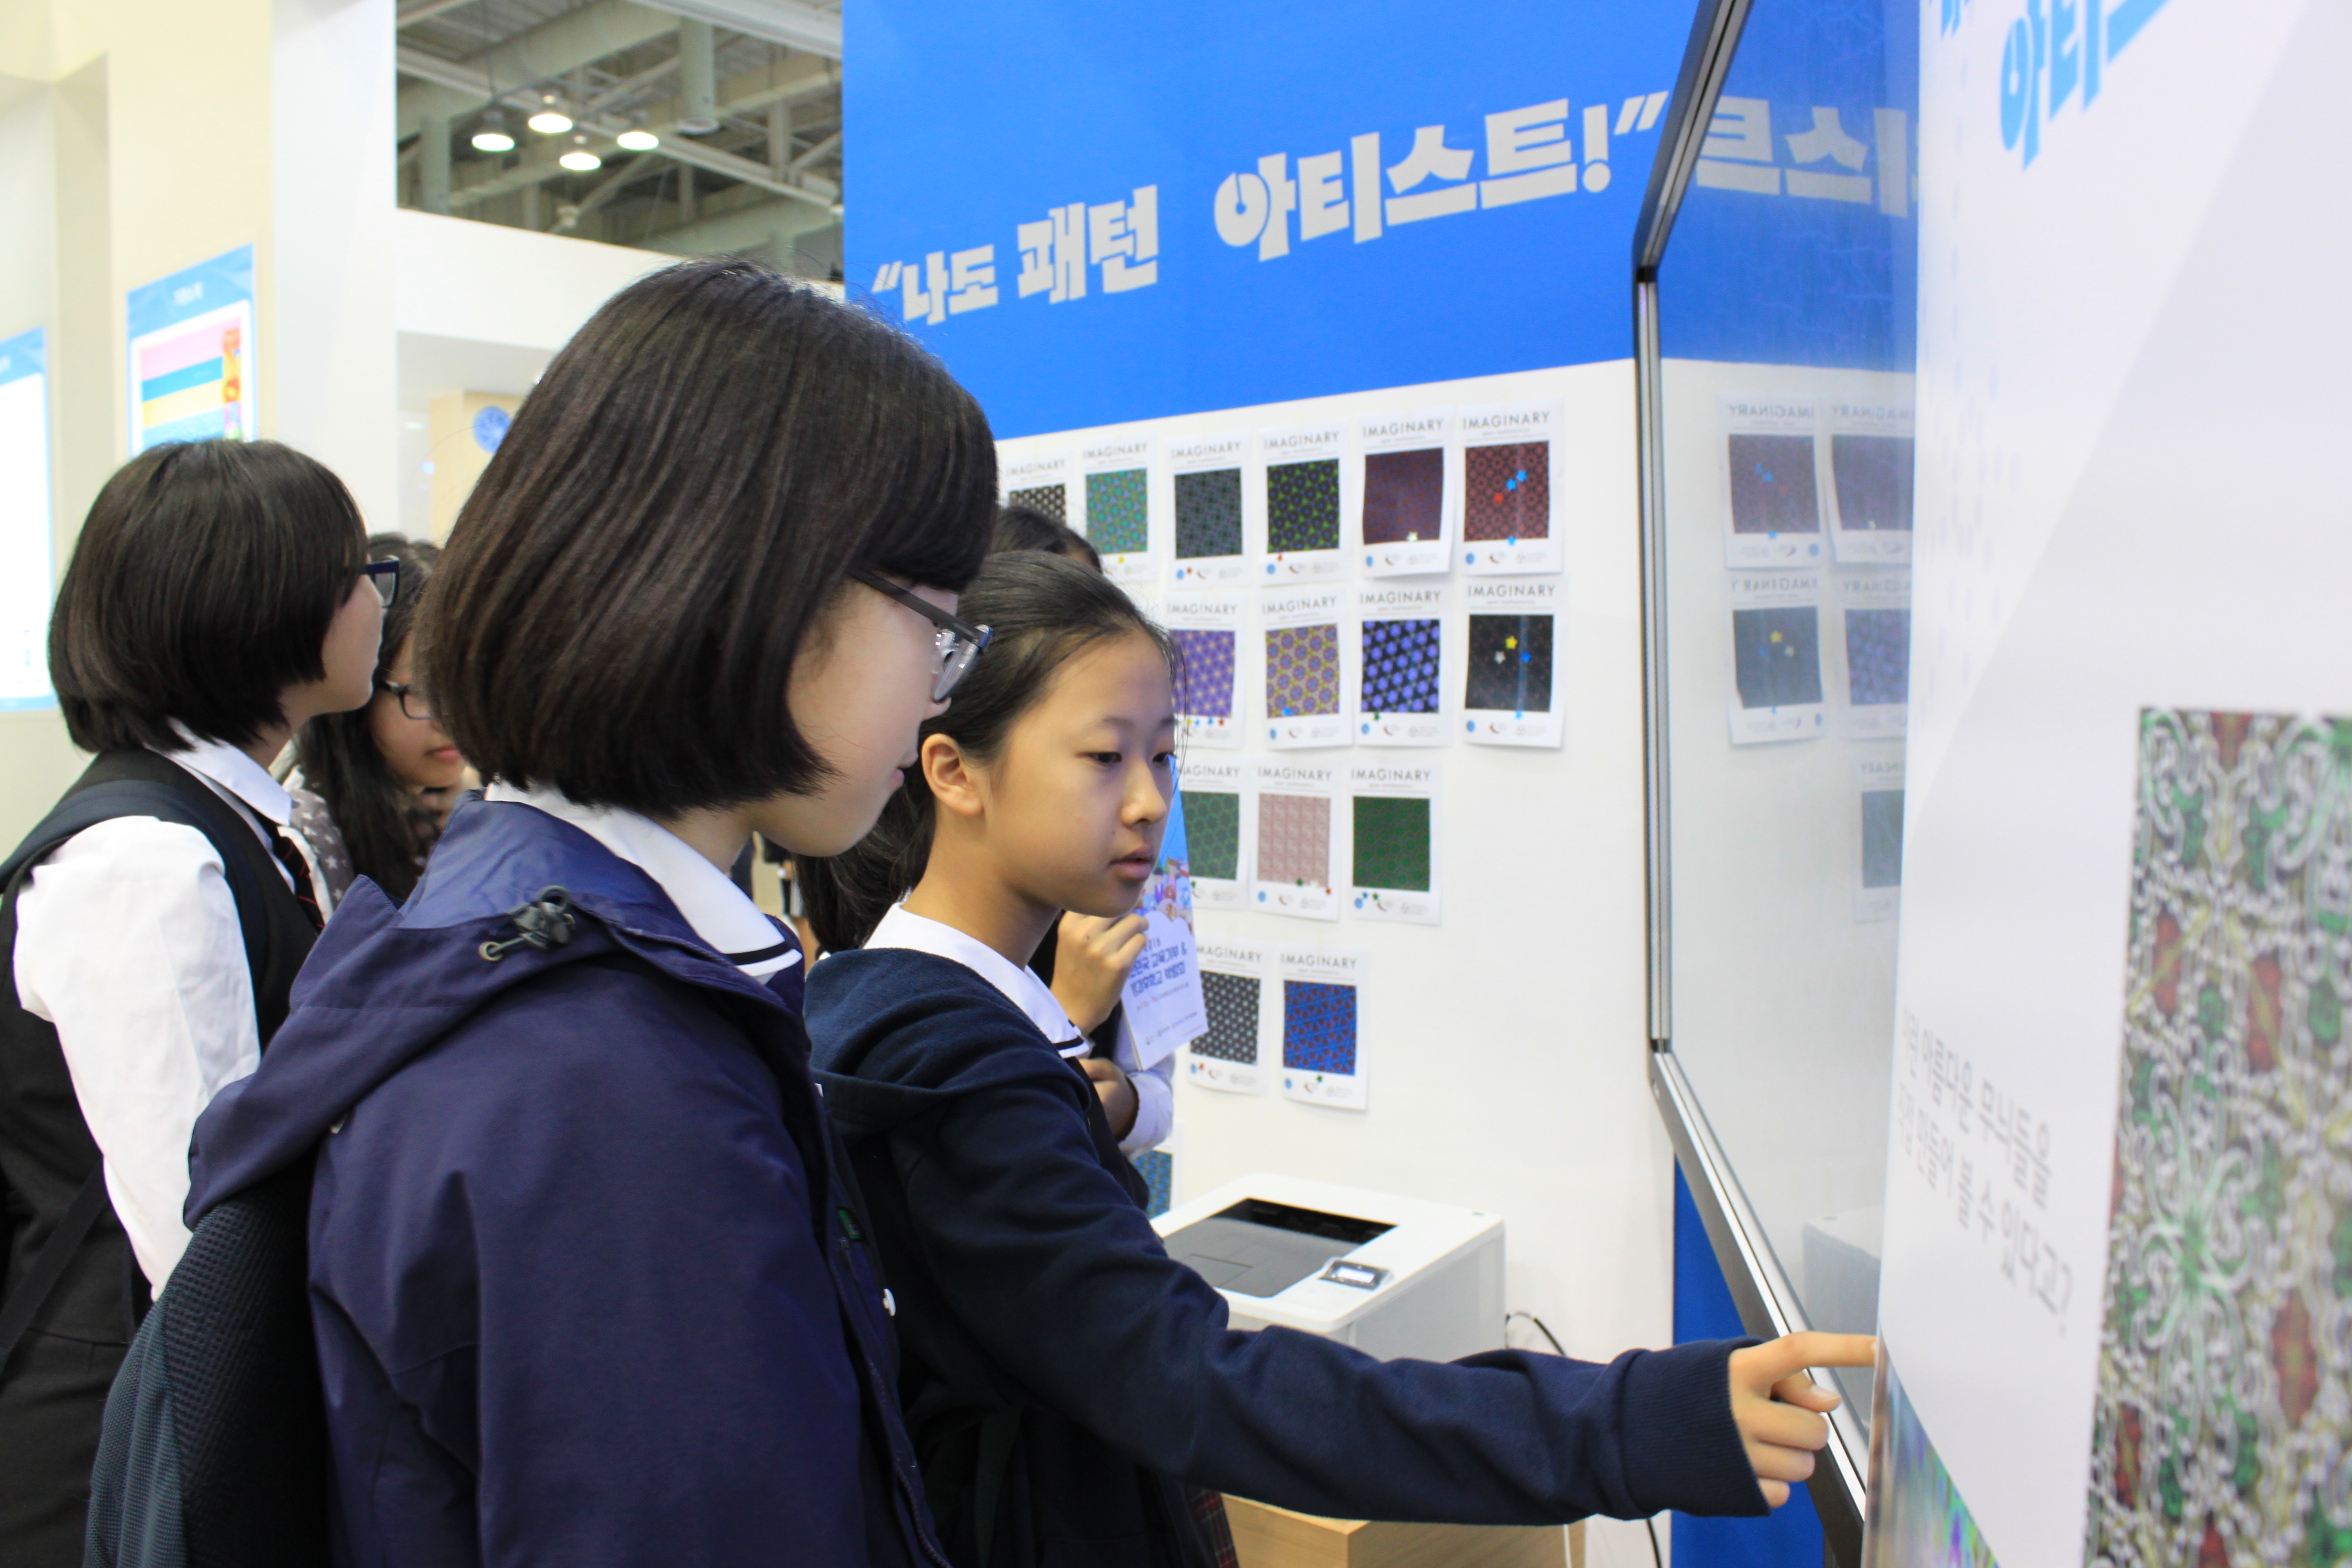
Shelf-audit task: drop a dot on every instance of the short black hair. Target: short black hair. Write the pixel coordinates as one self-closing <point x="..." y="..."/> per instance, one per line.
<point x="621" y="602"/>
<point x="386" y="827"/>
<point x="1027" y="528"/>
<point x="1042" y="610"/>
<point x="201" y="588"/>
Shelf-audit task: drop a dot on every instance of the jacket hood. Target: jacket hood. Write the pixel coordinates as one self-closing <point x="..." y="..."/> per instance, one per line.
<point x="897" y="1034"/>
<point x="385" y="983"/>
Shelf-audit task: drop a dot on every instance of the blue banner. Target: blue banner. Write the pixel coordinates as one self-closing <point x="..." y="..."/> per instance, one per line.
<point x="1098" y="213"/>
<point x="26" y="354"/>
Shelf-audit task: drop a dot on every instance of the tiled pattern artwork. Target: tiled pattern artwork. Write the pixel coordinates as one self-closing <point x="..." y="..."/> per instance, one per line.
<point x="1873" y="476"/>
<point x="1772" y="486"/>
<point x="1404" y="495"/>
<point x="1878" y="656"/>
<point x="1208" y="514"/>
<point x="1302" y="670"/>
<point x="1510" y="664"/>
<point x="1212" y="833"/>
<point x="1158" y="1170"/>
<point x="1302" y="505"/>
<point x="1507" y="491"/>
<point x="1232" y="1002"/>
<point x="2222" y="1426"/>
<point x="1882" y="838"/>
<point x="1400" y="666"/>
<point x="1318" y="1027"/>
<point x="1294" y="839"/>
<point x="1204" y="673"/>
<point x="1117" y="512"/>
<point x="1776" y="656"/>
<point x="1052" y="500"/>
<point x="1392" y="843"/>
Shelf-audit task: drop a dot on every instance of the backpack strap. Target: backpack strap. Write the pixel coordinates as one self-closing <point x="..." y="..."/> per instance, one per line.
<point x="79" y="811"/>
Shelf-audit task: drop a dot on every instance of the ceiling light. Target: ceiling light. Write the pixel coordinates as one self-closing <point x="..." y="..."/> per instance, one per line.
<point x="580" y="160"/>
<point x="638" y="140"/>
<point x="492" y="137"/>
<point x="550" y="120"/>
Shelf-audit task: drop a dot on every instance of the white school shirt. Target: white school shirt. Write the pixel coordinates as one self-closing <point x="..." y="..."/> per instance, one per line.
<point x="128" y="943"/>
<point x="1155" y="1093"/>
<point x="719" y="911"/>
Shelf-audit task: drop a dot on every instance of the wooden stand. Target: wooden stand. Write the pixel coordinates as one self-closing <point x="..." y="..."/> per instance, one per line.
<point x="1266" y="1537"/>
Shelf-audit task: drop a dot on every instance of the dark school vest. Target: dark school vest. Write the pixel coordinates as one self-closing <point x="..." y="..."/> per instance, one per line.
<point x="46" y="1151"/>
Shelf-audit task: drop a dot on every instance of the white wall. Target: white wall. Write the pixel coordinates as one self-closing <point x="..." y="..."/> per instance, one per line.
<point x="485" y="283"/>
<point x="1505" y="1047"/>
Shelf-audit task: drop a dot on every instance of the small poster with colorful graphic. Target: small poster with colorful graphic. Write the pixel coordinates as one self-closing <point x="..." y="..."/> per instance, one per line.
<point x="192" y="355"/>
<point x="1163" y="990"/>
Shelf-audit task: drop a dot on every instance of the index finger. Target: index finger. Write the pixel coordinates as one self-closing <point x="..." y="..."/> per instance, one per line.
<point x="1794" y="1352"/>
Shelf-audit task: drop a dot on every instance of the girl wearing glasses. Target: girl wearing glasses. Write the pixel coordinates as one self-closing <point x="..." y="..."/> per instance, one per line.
<point x="375" y="785"/>
<point x="217" y="599"/>
<point x="587" y="1285"/>
<point x="1075" y="1395"/>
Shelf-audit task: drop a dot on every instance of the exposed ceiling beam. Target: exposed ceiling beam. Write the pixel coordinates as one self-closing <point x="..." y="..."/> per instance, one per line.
<point x="566" y="221"/>
<point x="425" y="10"/>
<point x="786" y="22"/>
<point x="539" y="54"/>
<point x="814" y="153"/>
<point x="811" y="188"/>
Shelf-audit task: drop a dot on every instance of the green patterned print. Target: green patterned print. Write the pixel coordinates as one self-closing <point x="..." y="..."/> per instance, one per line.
<point x="2224" y="1403"/>
<point x="1116" y="512"/>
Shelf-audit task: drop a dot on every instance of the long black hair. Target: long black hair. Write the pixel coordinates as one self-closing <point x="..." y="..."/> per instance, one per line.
<point x="1042" y="609"/>
<point x="385" y="825"/>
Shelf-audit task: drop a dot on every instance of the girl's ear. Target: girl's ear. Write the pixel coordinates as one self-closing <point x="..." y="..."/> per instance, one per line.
<point x="950" y="776"/>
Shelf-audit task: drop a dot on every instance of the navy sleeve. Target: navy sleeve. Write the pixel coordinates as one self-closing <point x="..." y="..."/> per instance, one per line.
<point x="1062" y="1280"/>
<point x="575" y="1242"/>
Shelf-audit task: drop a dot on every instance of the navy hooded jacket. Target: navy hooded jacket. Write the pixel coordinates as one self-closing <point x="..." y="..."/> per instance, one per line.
<point x="583" y="1286"/>
<point x="1029" y="1279"/>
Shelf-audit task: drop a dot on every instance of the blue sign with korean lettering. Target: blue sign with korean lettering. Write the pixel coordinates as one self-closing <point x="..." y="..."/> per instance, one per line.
<point x="1106" y="212"/>
<point x="1798" y="241"/>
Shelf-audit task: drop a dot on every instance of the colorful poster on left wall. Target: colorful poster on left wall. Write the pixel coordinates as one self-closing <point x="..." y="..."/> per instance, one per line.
<point x="26" y="564"/>
<point x="193" y="355"/>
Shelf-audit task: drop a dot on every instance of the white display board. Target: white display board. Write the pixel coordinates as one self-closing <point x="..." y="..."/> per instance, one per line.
<point x="2113" y="1292"/>
<point x="27" y="568"/>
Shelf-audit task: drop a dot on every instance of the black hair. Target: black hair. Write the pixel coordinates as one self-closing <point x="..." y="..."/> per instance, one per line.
<point x="387" y="827"/>
<point x="1027" y="528"/>
<point x="1043" y="610"/>
<point x="202" y="586"/>
<point x="625" y="593"/>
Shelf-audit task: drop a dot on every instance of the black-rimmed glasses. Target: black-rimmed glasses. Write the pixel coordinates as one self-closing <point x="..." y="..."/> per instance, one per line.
<point x="959" y="643"/>
<point x="386" y="576"/>
<point x="413" y="704"/>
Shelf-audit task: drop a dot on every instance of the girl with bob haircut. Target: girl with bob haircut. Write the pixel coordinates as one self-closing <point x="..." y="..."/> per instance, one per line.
<point x="1075" y="1395"/>
<point x="219" y="596"/>
<point x="587" y="1287"/>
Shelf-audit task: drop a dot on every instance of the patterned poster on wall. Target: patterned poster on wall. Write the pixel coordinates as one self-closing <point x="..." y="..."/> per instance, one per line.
<point x="1297" y="847"/>
<point x="1322" y="1025"/>
<point x="1305" y="638"/>
<point x="1873" y="610"/>
<point x="2222" y="1431"/>
<point x="1400" y="663"/>
<point x="1239" y="993"/>
<point x="1510" y="666"/>
<point x="1301" y="502"/>
<point x="1205" y="473"/>
<point x="1216" y="828"/>
<point x="1776" y="690"/>
<point x="1115" y="474"/>
<point x="1772" y="507"/>
<point x="1870" y="472"/>
<point x="1206" y="629"/>
<point x="1406" y="493"/>
<point x="1878" y="778"/>
<point x="1039" y="481"/>
<point x="1392" y="832"/>
<point x="1510" y="508"/>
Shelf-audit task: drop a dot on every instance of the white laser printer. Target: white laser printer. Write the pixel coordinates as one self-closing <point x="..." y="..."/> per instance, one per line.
<point x="1393" y="1277"/>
